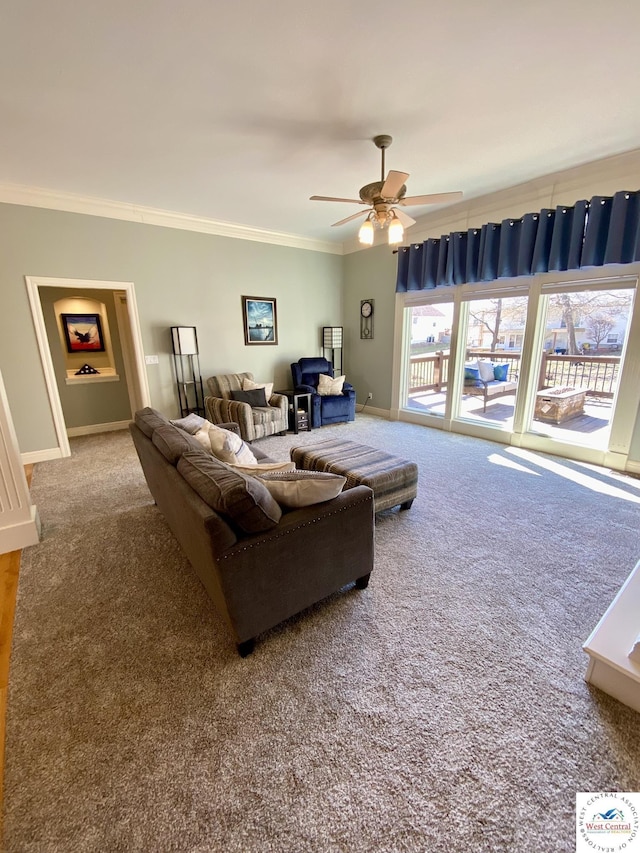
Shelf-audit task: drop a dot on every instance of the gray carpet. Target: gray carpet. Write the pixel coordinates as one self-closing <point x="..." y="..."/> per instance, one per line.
<point x="442" y="709"/>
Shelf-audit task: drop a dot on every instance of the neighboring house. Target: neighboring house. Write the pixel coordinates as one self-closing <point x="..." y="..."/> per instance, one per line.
<point x="429" y="325"/>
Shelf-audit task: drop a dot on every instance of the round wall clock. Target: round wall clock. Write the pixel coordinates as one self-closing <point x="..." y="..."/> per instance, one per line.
<point x="366" y="319"/>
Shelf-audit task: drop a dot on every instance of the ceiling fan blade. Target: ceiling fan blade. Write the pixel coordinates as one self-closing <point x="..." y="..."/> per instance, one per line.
<point x="393" y="184"/>
<point x="434" y="198"/>
<point x="406" y="220"/>
<point x="330" y="198"/>
<point x="349" y="218"/>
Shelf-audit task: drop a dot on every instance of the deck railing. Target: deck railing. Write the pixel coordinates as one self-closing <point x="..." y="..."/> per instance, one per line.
<point x="598" y="374"/>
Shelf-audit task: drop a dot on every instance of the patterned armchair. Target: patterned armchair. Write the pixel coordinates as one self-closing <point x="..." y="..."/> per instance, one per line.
<point x="329" y="409"/>
<point x="254" y="421"/>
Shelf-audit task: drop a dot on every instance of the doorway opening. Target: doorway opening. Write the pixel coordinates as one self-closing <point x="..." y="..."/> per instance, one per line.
<point x="128" y="326"/>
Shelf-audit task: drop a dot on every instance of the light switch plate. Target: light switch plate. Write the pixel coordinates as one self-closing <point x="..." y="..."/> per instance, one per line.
<point x="151" y="359"/>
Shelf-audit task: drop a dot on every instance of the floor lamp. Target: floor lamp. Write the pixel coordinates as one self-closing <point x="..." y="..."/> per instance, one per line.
<point x="187" y="365"/>
<point x="332" y="337"/>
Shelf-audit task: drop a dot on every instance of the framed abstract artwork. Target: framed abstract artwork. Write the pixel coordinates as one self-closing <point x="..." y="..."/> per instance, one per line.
<point x="83" y="332"/>
<point x="260" y="320"/>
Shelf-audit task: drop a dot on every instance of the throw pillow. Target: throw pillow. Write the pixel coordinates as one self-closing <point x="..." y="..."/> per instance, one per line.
<point x="244" y="500"/>
<point x="191" y="423"/>
<point x="471" y="374"/>
<point x="225" y="445"/>
<point x="501" y="372"/>
<point x="257" y="397"/>
<point x="249" y="385"/>
<point x="328" y="386"/>
<point x="303" y="488"/>
<point x="264" y="467"/>
<point x="486" y="370"/>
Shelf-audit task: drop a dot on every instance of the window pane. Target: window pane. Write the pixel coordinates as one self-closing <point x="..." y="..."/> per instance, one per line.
<point x="580" y="364"/>
<point x="494" y="336"/>
<point x="428" y="367"/>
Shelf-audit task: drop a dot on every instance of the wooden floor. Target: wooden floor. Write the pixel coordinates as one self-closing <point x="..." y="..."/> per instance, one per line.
<point x="9" y="571"/>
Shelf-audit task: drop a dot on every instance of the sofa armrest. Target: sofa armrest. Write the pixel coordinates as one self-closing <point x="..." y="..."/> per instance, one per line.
<point x="305" y="389"/>
<point x="312" y="553"/>
<point x="220" y="410"/>
<point x="279" y="401"/>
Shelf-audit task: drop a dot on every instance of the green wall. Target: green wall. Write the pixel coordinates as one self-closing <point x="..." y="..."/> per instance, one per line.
<point x="180" y="278"/>
<point x="369" y="363"/>
<point x="186" y="278"/>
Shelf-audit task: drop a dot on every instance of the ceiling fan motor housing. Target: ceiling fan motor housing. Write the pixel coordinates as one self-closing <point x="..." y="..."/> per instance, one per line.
<point x="372" y="192"/>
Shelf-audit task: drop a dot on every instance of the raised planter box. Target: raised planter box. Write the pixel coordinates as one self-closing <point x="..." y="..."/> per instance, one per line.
<point x="558" y="404"/>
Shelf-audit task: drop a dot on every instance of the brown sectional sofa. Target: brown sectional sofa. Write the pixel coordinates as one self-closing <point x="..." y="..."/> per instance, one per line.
<point x="255" y="579"/>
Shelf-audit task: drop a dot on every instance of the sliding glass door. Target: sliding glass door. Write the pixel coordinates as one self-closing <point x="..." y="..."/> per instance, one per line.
<point x="494" y="334"/>
<point x="429" y="340"/>
<point x="539" y="363"/>
<point x="580" y="361"/>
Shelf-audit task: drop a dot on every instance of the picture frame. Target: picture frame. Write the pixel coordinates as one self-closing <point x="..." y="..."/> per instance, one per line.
<point x="260" y="320"/>
<point x="83" y="332"/>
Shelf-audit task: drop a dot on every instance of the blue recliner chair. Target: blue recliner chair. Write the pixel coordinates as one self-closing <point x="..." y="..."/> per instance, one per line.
<point x="328" y="409"/>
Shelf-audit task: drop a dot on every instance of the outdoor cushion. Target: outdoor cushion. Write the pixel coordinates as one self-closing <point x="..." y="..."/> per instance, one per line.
<point x="471" y="373"/>
<point x="500" y="372"/>
<point x="485" y="369"/>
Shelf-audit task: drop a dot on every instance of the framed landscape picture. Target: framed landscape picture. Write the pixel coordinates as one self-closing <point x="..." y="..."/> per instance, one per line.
<point x="83" y="332"/>
<point x="260" y="320"/>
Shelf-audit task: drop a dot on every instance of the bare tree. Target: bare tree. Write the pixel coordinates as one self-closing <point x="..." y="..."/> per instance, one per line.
<point x="490" y="319"/>
<point x="575" y="308"/>
<point x="599" y="326"/>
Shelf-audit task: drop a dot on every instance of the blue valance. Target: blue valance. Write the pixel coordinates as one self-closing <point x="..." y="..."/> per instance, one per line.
<point x="604" y="230"/>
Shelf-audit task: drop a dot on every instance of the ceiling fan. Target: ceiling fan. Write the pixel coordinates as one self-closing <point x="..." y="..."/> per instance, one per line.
<point x="386" y="198"/>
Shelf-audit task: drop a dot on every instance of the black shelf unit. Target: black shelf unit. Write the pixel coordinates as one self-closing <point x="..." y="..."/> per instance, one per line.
<point x="186" y="361"/>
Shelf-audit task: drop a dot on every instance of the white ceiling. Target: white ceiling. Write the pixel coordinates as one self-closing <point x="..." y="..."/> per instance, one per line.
<point x="239" y="111"/>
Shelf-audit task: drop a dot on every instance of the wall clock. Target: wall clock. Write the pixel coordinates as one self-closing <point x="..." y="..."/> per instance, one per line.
<point x="366" y="319"/>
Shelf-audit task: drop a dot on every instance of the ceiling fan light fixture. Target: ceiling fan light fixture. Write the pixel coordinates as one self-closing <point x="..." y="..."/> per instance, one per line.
<point x="396" y="231"/>
<point x="365" y="234"/>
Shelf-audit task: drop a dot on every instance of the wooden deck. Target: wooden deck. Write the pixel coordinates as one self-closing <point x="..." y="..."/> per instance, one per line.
<point x="591" y="427"/>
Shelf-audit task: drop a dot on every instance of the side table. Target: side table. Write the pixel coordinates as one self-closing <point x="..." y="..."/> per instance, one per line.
<point x="299" y="411"/>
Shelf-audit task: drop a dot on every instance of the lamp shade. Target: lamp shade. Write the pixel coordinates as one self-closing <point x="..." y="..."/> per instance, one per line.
<point x="332" y="337"/>
<point x="185" y="340"/>
<point x="365" y="234"/>
<point x="396" y="231"/>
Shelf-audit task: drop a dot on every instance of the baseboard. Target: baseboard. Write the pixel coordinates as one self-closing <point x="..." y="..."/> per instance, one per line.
<point x="369" y="410"/>
<point x="93" y="429"/>
<point x="33" y="456"/>
<point x="18" y="536"/>
<point x="632" y="467"/>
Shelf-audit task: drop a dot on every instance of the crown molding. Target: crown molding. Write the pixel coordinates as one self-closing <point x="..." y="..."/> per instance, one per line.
<point x="71" y="203"/>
